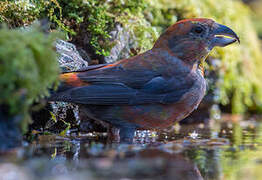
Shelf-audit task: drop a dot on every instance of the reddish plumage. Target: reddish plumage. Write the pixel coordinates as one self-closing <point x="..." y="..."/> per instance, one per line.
<point x="72" y="80"/>
<point x="151" y="90"/>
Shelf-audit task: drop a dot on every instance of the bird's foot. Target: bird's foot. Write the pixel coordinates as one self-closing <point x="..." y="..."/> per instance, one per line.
<point x="113" y="134"/>
<point x="123" y="135"/>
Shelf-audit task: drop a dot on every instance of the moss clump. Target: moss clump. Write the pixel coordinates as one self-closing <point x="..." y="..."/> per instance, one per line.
<point x="28" y="68"/>
<point x="95" y="17"/>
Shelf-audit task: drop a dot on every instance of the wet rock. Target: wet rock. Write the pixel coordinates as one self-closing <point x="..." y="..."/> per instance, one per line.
<point x="56" y="117"/>
<point x="64" y="112"/>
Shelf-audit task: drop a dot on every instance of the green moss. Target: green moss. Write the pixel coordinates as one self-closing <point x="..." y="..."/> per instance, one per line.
<point x="28" y="68"/>
<point x="17" y="13"/>
<point x="97" y="17"/>
<point x="99" y="23"/>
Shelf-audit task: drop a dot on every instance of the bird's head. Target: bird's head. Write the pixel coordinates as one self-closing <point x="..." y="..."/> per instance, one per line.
<point x="192" y="39"/>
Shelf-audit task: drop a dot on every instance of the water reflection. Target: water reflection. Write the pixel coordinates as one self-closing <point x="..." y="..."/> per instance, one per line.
<point x="225" y="150"/>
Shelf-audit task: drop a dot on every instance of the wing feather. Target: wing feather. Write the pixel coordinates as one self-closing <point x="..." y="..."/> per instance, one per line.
<point x="124" y="84"/>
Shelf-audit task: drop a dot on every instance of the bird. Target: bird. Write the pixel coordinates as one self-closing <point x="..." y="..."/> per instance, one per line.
<point x="151" y="90"/>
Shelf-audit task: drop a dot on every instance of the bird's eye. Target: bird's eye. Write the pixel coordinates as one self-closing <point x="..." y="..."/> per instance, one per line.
<point x="198" y="30"/>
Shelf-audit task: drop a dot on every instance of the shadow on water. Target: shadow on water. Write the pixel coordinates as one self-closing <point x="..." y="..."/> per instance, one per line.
<point x="225" y="150"/>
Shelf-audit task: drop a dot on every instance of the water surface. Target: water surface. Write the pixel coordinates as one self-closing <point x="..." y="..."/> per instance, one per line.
<point x="222" y="150"/>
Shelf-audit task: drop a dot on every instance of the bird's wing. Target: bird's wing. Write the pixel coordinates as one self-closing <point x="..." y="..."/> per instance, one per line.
<point x="117" y="94"/>
<point x="115" y="84"/>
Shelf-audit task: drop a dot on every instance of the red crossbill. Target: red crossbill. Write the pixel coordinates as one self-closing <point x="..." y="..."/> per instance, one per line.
<point x="154" y="89"/>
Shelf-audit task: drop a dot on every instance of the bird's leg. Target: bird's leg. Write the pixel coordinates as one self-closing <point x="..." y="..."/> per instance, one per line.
<point x="127" y="134"/>
<point x="112" y="134"/>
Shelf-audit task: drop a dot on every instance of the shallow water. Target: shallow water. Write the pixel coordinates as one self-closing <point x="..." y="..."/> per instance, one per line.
<point x="222" y="150"/>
